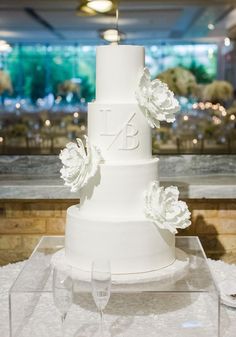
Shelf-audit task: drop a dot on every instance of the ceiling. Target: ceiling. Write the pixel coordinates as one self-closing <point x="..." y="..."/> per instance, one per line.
<point x="55" y="21"/>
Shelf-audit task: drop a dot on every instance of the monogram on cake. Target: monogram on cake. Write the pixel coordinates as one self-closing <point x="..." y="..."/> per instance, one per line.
<point x="123" y="215"/>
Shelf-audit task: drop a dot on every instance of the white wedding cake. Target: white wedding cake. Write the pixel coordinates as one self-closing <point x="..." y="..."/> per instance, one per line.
<point x="123" y="215"/>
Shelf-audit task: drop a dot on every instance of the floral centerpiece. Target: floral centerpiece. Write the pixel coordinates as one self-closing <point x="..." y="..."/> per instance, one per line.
<point x="179" y="80"/>
<point x="218" y="91"/>
<point x="67" y="87"/>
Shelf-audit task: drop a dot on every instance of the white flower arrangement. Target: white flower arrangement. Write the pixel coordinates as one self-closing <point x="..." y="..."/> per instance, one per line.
<point x="164" y="209"/>
<point x="179" y="80"/>
<point x="218" y="91"/>
<point x="156" y="100"/>
<point x="80" y="163"/>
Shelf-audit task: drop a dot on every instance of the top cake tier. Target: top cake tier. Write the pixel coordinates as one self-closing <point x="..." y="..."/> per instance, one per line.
<point x="118" y="69"/>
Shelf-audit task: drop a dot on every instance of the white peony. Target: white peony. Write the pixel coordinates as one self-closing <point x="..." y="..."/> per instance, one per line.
<point x="156" y="100"/>
<point x="164" y="209"/>
<point x="79" y="165"/>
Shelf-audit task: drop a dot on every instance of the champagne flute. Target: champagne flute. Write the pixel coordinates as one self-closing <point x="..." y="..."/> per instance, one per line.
<point x="101" y="287"/>
<point x="62" y="292"/>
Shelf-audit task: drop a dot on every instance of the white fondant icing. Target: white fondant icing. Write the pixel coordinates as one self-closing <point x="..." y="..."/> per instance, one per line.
<point x="120" y="131"/>
<point x="135" y="281"/>
<point x="128" y="134"/>
<point x="118" y="190"/>
<point x="118" y="69"/>
<point x="132" y="245"/>
<point x="105" y="114"/>
<point x="110" y="222"/>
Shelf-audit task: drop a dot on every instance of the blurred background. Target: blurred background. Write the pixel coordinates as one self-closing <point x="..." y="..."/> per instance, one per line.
<point x="47" y="69"/>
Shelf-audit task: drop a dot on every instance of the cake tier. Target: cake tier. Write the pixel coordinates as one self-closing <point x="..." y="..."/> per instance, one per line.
<point x="132" y="245"/>
<point x="118" y="69"/>
<point x="118" y="190"/>
<point x="120" y="131"/>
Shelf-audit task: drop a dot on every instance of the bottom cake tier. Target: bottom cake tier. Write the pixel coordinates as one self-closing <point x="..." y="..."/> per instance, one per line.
<point x="131" y="245"/>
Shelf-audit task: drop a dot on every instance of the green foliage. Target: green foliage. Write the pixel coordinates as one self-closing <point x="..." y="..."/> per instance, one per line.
<point x="39" y="69"/>
<point x="201" y="73"/>
<point x="36" y="82"/>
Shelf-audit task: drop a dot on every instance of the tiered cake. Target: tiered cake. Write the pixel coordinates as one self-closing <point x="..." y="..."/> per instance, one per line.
<point x="110" y="221"/>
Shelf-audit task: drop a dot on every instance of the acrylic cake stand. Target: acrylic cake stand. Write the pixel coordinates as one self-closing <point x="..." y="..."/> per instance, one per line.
<point x="188" y="307"/>
<point x="172" y="273"/>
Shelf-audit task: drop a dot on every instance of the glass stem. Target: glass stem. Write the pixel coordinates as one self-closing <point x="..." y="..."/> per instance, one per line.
<point x="63" y="318"/>
<point x="101" y="323"/>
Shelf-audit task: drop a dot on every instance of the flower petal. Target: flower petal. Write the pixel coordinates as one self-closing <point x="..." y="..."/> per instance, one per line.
<point x="164" y="209"/>
<point x="79" y="164"/>
<point x="156" y="100"/>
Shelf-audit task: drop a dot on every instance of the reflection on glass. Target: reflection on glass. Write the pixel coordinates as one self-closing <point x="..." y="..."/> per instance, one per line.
<point x="62" y="292"/>
<point x="101" y="287"/>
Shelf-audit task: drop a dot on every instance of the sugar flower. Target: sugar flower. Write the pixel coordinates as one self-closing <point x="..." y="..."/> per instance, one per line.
<point x="164" y="209"/>
<point x="80" y="163"/>
<point x="156" y="100"/>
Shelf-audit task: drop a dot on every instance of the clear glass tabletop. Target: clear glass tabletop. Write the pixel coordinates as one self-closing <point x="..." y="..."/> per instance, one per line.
<point x="189" y="306"/>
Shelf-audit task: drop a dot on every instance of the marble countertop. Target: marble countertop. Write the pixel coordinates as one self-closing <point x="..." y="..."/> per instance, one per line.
<point x="197" y="176"/>
<point x="51" y="187"/>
